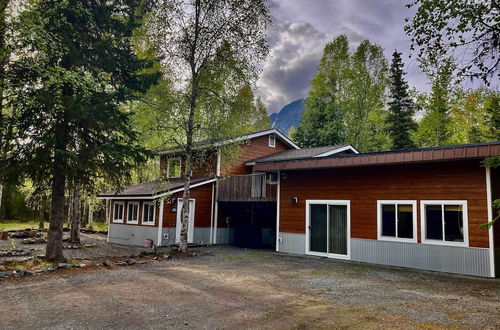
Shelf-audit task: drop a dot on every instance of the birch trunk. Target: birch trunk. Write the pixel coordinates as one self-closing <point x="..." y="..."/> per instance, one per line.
<point x="91" y="214"/>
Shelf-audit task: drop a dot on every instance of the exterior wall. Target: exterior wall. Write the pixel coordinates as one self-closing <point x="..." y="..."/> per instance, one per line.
<point x="207" y="167"/>
<point x="132" y="235"/>
<point x="363" y="186"/>
<point x="255" y="148"/>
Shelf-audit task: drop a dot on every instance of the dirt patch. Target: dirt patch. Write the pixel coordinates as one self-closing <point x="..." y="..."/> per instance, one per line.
<point x="236" y="288"/>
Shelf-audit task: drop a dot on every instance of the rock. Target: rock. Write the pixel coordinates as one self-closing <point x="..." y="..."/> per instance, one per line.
<point x="66" y="229"/>
<point x="19" y="234"/>
<point x="131" y="261"/>
<point x="166" y="257"/>
<point x="18" y="273"/>
<point x="155" y="258"/>
<point x="37" y="272"/>
<point x="93" y="263"/>
<point x="29" y="241"/>
<point x="2" y="275"/>
<point x="65" y="265"/>
<point x="103" y="232"/>
<point x="121" y="263"/>
<point x="49" y="268"/>
<point x="106" y="263"/>
<point x="82" y="265"/>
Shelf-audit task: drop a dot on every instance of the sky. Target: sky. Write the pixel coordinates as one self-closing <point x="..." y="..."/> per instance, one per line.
<point x="301" y="28"/>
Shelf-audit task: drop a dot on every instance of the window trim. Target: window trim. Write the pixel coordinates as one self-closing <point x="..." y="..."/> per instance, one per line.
<point x="114" y="212"/>
<point x="423" y="222"/>
<point x="413" y="203"/>
<point x="148" y="223"/>
<point x="168" y="167"/>
<point x="128" y="211"/>
<point x="272" y="145"/>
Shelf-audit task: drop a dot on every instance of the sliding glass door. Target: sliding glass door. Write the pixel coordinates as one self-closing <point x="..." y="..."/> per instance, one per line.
<point x="328" y="228"/>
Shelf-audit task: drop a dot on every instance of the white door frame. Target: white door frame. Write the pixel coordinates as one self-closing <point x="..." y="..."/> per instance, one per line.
<point x="329" y="202"/>
<point x="191" y="221"/>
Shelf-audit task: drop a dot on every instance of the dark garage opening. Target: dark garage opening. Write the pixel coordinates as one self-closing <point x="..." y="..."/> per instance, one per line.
<point x="252" y="224"/>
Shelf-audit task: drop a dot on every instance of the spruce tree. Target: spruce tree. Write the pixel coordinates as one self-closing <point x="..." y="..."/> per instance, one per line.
<point x="401" y="107"/>
<point x="73" y="67"/>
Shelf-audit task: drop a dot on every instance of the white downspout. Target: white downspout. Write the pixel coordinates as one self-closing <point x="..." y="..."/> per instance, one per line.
<point x="490" y="218"/>
<point x="278" y="213"/>
<point x="212" y="205"/>
<point x="160" y="222"/>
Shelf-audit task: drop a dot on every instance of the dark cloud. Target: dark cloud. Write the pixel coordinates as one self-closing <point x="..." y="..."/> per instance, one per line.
<point x="302" y="28"/>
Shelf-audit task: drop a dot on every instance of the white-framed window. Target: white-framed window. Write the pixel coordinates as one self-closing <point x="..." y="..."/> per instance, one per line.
<point x="148" y="214"/>
<point x="397" y="220"/>
<point x="272" y="141"/>
<point x="133" y="212"/>
<point x="444" y="222"/>
<point x="118" y="212"/>
<point x="174" y="168"/>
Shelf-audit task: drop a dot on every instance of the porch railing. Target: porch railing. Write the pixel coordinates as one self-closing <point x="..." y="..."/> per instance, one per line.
<point x="246" y="188"/>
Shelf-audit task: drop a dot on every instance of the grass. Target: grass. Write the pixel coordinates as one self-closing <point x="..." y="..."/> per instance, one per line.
<point x="21" y="225"/>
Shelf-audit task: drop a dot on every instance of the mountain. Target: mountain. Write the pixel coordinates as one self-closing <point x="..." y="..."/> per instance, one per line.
<point x="288" y="116"/>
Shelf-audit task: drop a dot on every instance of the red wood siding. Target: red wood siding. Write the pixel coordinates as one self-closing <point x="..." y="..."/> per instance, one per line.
<point x="495" y="185"/>
<point x="203" y="207"/>
<point x="207" y="167"/>
<point x="255" y="148"/>
<point x="363" y="186"/>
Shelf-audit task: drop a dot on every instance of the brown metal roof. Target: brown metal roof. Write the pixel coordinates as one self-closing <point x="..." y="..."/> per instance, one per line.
<point x="148" y="189"/>
<point x="467" y="151"/>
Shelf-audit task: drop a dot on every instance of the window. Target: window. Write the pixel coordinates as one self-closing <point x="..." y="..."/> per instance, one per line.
<point x="444" y="222"/>
<point x="397" y="220"/>
<point x="132" y="212"/>
<point x="118" y="212"/>
<point x="174" y="168"/>
<point x="148" y="214"/>
<point x="272" y="141"/>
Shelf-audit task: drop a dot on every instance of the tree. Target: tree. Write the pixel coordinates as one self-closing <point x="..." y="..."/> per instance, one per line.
<point x="197" y="40"/>
<point x="434" y="127"/>
<point x="73" y="66"/>
<point x="469" y="29"/>
<point x="493" y="115"/>
<point x="346" y="99"/>
<point x="401" y="106"/>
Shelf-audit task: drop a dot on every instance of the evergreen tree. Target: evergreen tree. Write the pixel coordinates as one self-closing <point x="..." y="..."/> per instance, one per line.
<point x="493" y="111"/>
<point x="401" y="106"/>
<point x="72" y="68"/>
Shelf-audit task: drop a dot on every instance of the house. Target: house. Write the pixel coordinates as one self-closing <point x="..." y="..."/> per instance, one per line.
<point x="417" y="208"/>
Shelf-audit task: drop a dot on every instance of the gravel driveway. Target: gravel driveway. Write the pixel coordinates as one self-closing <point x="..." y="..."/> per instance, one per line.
<point x="236" y="288"/>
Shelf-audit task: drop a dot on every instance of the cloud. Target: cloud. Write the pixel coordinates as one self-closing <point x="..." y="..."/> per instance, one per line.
<point x="296" y="49"/>
<point x="302" y="28"/>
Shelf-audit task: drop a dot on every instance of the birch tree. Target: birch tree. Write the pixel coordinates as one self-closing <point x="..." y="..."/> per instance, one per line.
<point x="197" y="40"/>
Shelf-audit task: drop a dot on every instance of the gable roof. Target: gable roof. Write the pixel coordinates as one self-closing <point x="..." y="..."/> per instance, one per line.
<point x="323" y="151"/>
<point x="153" y="189"/>
<point x="443" y="153"/>
<point x="224" y="141"/>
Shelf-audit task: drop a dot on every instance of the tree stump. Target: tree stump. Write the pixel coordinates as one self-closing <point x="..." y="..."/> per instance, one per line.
<point x="4" y="236"/>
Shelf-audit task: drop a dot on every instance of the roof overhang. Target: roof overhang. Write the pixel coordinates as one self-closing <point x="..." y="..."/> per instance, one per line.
<point x="156" y="196"/>
<point x="477" y="151"/>
<point x="250" y="136"/>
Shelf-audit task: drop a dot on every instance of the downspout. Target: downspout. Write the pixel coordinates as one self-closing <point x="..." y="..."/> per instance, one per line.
<point x="278" y="212"/>
<point x="489" y="198"/>
<point x="212" y="214"/>
<point x="109" y="214"/>
<point x="160" y="222"/>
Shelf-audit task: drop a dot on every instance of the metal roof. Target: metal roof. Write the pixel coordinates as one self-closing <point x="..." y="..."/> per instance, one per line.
<point x="455" y="152"/>
<point x="153" y="188"/>
<point x="304" y="153"/>
<point x="223" y="141"/>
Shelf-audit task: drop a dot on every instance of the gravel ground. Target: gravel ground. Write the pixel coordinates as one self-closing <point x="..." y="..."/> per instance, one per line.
<point x="99" y="248"/>
<point x="237" y="288"/>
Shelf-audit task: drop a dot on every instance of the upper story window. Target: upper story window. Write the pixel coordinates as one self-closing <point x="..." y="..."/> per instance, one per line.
<point x="148" y="216"/>
<point x="444" y="222"/>
<point x="272" y="141"/>
<point x="133" y="212"/>
<point x="174" y="168"/>
<point x="118" y="212"/>
<point x="397" y="220"/>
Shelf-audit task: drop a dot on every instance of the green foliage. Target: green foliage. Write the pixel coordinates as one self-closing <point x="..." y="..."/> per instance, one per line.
<point x="346" y="99"/>
<point x="401" y="107"/>
<point x="434" y="128"/>
<point x="73" y="66"/>
<point x="459" y="28"/>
